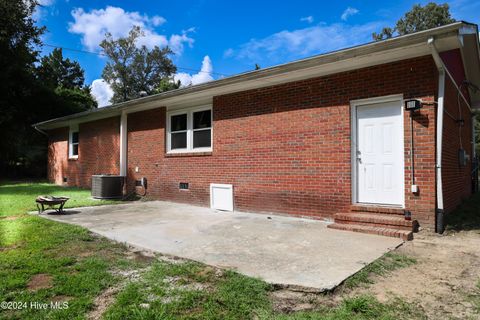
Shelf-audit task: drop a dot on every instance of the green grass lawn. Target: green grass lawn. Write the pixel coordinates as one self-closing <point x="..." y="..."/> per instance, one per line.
<point x="18" y="198"/>
<point x="43" y="261"/>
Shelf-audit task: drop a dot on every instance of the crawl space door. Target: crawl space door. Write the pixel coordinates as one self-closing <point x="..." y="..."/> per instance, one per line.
<point x="221" y="196"/>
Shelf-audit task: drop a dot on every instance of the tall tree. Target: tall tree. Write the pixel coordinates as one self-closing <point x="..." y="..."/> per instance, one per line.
<point x="56" y="71"/>
<point x="30" y="94"/>
<point x="417" y="19"/>
<point x="18" y="37"/>
<point x="67" y="79"/>
<point x="132" y="69"/>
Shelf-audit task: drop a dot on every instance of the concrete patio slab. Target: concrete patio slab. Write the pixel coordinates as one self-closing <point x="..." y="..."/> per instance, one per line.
<point x="280" y="250"/>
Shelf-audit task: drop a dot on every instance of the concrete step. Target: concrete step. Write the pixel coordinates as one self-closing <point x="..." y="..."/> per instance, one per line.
<point x="375" y="219"/>
<point x="389" y="232"/>
<point x="377" y="209"/>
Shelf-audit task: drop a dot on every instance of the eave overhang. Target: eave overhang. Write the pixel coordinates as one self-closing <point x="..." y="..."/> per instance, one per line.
<point x="370" y="54"/>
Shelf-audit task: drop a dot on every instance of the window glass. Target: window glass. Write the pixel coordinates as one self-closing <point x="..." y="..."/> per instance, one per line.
<point x="202" y="119"/>
<point x="190" y="131"/>
<point x="75" y="149"/>
<point x="179" y="140"/>
<point x="75" y="137"/>
<point x="178" y="122"/>
<point x="202" y="139"/>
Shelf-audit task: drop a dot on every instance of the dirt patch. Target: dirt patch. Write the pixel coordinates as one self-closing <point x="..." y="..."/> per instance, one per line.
<point x="107" y="297"/>
<point x="102" y="302"/>
<point x="9" y="218"/>
<point x="179" y="283"/>
<point x="442" y="280"/>
<point x="11" y="247"/>
<point x="171" y="259"/>
<point x="207" y="271"/>
<point x="61" y="298"/>
<point x="40" y="281"/>
<point x="85" y="254"/>
<point x="129" y="275"/>
<point x="288" y="301"/>
<point x="141" y="256"/>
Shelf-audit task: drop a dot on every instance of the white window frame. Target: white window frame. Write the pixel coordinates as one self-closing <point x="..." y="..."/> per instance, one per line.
<point x="73" y="129"/>
<point x="189" y="112"/>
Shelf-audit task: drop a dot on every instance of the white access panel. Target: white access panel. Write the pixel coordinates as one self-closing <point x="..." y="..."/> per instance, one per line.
<point x="221" y="196"/>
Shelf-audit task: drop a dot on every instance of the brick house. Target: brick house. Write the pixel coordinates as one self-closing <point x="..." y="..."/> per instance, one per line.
<point x="327" y="137"/>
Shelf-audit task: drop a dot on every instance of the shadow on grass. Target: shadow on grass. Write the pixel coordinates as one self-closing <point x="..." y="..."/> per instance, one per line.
<point x="466" y="217"/>
<point x="63" y="213"/>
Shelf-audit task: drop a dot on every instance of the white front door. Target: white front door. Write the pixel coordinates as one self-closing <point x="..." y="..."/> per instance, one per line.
<point x="380" y="153"/>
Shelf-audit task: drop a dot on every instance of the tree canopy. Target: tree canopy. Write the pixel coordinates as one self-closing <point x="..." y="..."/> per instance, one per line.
<point x="134" y="69"/>
<point x="67" y="79"/>
<point x="32" y="89"/>
<point x="55" y="71"/>
<point x="18" y="37"/>
<point x="418" y="19"/>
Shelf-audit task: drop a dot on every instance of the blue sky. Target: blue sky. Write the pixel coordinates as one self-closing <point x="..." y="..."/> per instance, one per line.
<point x="222" y="37"/>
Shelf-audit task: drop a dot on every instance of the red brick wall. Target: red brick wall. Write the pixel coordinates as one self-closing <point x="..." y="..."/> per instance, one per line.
<point x="98" y="152"/>
<point x="421" y="204"/>
<point x="286" y="148"/>
<point x="456" y="179"/>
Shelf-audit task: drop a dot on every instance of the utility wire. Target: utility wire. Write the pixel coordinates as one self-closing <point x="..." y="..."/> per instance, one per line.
<point x="263" y="81"/>
<point x="104" y="55"/>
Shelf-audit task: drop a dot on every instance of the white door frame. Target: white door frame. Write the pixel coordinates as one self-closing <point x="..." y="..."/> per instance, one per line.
<point x="353" y="153"/>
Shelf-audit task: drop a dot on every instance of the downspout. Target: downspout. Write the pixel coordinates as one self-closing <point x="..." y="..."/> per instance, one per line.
<point x="474" y="151"/>
<point x="123" y="145"/>
<point x="439" y="214"/>
<point x="475" y="162"/>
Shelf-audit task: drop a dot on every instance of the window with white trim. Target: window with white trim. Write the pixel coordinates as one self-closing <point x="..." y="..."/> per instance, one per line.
<point x="190" y="130"/>
<point x="73" y="142"/>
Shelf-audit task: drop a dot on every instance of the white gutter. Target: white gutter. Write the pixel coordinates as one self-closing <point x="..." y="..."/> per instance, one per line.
<point x="374" y="53"/>
<point x="440" y="110"/>
<point x="46" y="134"/>
<point x="123" y="144"/>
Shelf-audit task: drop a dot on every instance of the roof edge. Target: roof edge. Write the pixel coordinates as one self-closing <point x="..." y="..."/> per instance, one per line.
<point x="341" y="54"/>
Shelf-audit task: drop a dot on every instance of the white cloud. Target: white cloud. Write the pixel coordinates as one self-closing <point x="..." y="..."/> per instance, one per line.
<point x="157" y="20"/>
<point x="204" y="75"/>
<point x="191" y="29"/>
<point x="308" y="19"/>
<point x="102" y="92"/>
<point x="228" y="53"/>
<point x="177" y="42"/>
<point x="348" y="13"/>
<point x="290" y="45"/>
<point x="41" y="10"/>
<point x="93" y="26"/>
<point x="46" y="2"/>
